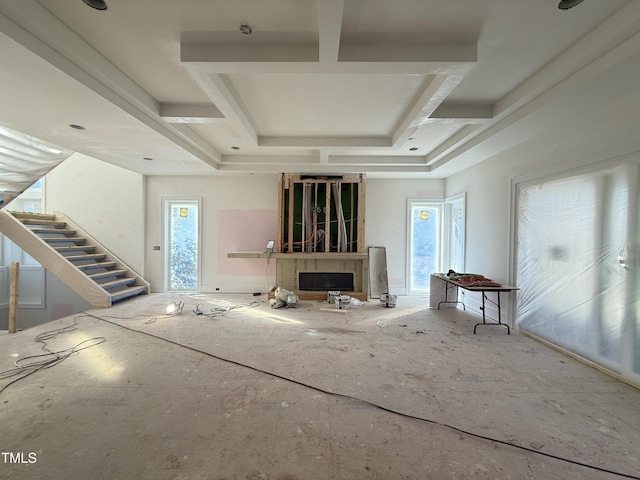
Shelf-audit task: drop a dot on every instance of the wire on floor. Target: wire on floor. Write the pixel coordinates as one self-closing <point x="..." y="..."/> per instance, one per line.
<point x="30" y="364"/>
<point x="373" y="404"/>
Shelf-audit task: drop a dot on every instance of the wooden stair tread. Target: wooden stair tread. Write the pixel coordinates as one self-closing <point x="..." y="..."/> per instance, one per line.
<point x="107" y="274"/>
<point x="31" y="215"/>
<point x="71" y="248"/>
<point x="129" y="292"/>
<point x="46" y="230"/>
<point x="87" y="256"/>
<point x="76" y="240"/>
<point x="121" y="282"/>
<point x="91" y="266"/>
<point x="49" y="223"/>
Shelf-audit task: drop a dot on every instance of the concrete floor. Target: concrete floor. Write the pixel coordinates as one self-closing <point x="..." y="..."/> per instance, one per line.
<point x="141" y="406"/>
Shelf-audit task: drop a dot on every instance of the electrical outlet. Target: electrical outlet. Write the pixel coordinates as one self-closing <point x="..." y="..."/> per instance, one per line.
<point x="156" y="247"/>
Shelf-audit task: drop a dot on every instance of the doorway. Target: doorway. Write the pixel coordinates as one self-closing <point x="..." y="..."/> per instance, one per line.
<point x="182" y="244"/>
<point x="424" y="244"/>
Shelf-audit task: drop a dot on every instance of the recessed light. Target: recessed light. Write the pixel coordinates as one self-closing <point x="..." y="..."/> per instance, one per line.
<point x="147" y="158"/>
<point x="234" y="147"/>
<point x="97" y="4"/>
<point x="77" y="127"/>
<point x="413" y="149"/>
<point x="567" y="4"/>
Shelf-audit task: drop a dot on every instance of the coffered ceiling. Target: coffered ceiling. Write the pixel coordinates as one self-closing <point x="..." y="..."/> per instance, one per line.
<point x="385" y="87"/>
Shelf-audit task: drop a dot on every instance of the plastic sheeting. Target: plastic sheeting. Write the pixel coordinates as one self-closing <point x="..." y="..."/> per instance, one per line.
<point x="577" y="245"/>
<point x="23" y="161"/>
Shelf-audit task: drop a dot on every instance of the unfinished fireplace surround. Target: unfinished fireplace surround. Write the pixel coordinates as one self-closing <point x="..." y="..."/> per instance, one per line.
<point x="320" y="230"/>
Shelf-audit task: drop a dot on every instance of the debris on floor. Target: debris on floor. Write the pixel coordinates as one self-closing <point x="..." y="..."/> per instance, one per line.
<point x="344" y="302"/>
<point x="388" y="300"/>
<point x="332" y="295"/>
<point x="284" y="298"/>
<point x="333" y="310"/>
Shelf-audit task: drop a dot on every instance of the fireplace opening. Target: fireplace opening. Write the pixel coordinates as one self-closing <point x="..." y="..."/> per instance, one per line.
<point x="326" y="281"/>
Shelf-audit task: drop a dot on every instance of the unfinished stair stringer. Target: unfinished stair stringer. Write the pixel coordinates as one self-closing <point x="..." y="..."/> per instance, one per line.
<point x="73" y="256"/>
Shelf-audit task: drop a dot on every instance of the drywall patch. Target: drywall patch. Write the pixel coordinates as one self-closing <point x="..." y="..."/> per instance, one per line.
<point x="244" y="231"/>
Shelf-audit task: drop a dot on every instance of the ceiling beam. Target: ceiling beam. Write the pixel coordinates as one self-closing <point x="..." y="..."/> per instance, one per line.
<point x="514" y="122"/>
<point x="468" y="113"/>
<point x="421" y="108"/>
<point x="408" y="171"/>
<point x="452" y="142"/>
<point x="270" y="160"/>
<point x="417" y="52"/>
<point x="330" y="29"/>
<point x="355" y="58"/>
<point x="226" y="100"/>
<point x="248" y="52"/>
<point x="360" y="52"/>
<point x="324" y="142"/>
<point x="190" y="113"/>
<point x="367" y="160"/>
<point x="54" y="42"/>
<point x="324" y="155"/>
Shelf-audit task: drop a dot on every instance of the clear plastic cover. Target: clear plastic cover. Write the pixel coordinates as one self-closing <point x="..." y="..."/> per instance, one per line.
<point x="23" y="161"/>
<point x="576" y="249"/>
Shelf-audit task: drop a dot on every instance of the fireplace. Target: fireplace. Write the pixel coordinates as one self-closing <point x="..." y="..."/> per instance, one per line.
<point x="317" y="281"/>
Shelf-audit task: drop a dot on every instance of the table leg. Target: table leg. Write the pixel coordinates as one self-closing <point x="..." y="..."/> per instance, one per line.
<point x="446" y="296"/>
<point x="484" y="317"/>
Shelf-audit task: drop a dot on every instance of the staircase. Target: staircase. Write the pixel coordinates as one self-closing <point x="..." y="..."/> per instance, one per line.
<point x="73" y="256"/>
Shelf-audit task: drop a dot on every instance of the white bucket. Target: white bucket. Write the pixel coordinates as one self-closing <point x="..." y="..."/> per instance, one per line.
<point x="332" y="295"/>
<point x="343" y="302"/>
<point x="387" y="300"/>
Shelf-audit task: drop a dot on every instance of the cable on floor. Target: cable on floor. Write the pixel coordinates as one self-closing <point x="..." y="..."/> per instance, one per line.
<point x="380" y="407"/>
<point x="25" y="368"/>
<point x="224" y="308"/>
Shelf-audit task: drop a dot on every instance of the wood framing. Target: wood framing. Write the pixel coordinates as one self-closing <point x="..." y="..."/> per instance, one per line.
<point x="13" y="298"/>
<point x="320" y="230"/>
<point x="331" y="207"/>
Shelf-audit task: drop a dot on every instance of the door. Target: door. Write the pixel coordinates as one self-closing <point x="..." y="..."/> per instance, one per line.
<point x="425" y="243"/>
<point x="182" y="244"/>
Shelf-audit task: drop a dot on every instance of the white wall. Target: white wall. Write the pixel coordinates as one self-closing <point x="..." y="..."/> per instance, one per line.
<point x="60" y="301"/>
<point x="598" y="135"/>
<point x="239" y="213"/>
<point x="107" y="202"/>
<point x="104" y="200"/>
<point x="386" y="220"/>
